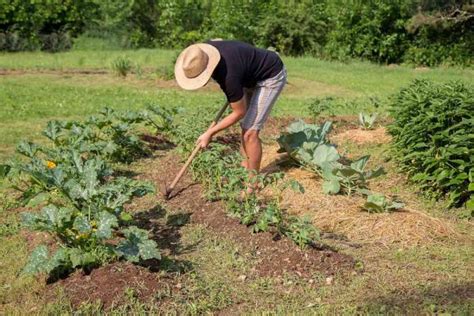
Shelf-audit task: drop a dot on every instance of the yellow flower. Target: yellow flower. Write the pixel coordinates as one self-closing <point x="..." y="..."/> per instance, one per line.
<point x="50" y="164"/>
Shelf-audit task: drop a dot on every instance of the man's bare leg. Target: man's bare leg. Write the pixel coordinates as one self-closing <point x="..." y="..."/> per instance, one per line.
<point x="253" y="148"/>
<point x="245" y="158"/>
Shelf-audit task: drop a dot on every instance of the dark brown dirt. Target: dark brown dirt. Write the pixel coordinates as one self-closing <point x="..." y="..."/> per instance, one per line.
<point x="276" y="256"/>
<point x="110" y="283"/>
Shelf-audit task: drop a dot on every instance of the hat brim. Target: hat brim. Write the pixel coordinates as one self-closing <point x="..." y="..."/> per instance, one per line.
<point x="197" y="82"/>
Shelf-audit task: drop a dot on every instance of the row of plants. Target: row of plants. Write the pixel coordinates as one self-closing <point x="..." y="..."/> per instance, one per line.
<point x="309" y="147"/>
<point x="82" y="199"/>
<point x="433" y="138"/>
<point x="218" y="169"/>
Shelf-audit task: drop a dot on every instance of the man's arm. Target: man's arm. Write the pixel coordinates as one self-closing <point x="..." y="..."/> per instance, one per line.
<point x="239" y="109"/>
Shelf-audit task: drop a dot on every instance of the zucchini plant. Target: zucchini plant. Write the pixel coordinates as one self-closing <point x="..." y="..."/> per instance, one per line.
<point x="83" y="202"/>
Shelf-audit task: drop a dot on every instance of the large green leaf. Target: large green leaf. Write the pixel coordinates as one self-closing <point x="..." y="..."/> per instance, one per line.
<point x="331" y="186"/>
<point x="82" y="224"/>
<point x="325" y="154"/>
<point x="137" y="246"/>
<point x="360" y="164"/>
<point x="38" y="261"/>
<point x="27" y="149"/>
<point x="105" y="223"/>
<point x="377" y="172"/>
<point x="52" y="130"/>
<point x="81" y="258"/>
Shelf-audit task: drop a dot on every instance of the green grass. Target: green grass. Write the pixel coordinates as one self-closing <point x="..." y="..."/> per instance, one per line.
<point x="360" y="78"/>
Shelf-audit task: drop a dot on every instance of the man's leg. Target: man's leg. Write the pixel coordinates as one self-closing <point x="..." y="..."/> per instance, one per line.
<point x="243" y="152"/>
<point x="253" y="149"/>
<point x="249" y="92"/>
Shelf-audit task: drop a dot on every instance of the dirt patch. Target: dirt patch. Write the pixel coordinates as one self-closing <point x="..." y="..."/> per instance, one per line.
<point x="276" y="257"/>
<point x="360" y="136"/>
<point x="72" y="71"/>
<point x="343" y="215"/>
<point x="110" y="284"/>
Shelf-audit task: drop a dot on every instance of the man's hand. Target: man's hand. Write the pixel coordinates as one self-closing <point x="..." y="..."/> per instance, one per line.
<point x="204" y="139"/>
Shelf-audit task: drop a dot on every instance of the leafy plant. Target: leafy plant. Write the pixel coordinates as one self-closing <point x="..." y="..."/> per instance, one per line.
<point x="218" y="168"/>
<point x="308" y="145"/>
<point x="432" y="137"/>
<point x="122" y="66"/>
<point x="301" y="231"/>
<point x="302" y="140"/>
<point x="378" y="203"/>
<point x="83" y="202"/>
<point x="348" y="178"/>
<point x="367" y="121"/>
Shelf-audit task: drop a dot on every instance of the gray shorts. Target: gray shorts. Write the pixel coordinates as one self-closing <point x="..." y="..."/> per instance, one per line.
<point x="260" y="100"/>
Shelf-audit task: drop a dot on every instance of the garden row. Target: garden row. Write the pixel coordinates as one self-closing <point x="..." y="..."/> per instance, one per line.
<point x="82" y="198"/>
<point x="433" y="141"/>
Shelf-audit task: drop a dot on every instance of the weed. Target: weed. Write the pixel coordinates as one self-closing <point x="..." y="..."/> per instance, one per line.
<point x="121" y="66"/>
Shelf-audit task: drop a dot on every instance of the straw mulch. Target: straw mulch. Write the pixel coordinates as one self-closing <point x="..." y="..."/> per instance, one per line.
<point x="342" y="214"/>
<point x="360" y="136"/>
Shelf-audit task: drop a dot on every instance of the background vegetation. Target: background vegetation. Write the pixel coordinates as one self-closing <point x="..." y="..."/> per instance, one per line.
<point x="413" y="31"/>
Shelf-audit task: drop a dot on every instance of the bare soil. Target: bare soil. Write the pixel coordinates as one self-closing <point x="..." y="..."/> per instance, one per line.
<point x="276" y="256"/>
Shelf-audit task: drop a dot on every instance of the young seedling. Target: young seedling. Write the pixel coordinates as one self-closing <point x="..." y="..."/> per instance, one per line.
<point x="367" y="121"/>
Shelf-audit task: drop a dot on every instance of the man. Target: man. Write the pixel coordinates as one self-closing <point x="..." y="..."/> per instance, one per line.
<point x="238" y="68"/>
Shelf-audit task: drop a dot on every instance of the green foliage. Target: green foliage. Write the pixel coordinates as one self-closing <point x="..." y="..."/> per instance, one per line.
<point x="373" y="30"/>
<point x="47" y="25"/>
<point x="322" y="105"/>
<point x="302" y="231"/>
<point x="347" y="178"/>
<point x="83" y="201"/>
<point x="378" y="203"/>
<point x="301" y="141"/>
<point x="424" y="33"/>
<point x="433" y="137"/>
<point x="292" y="28"/>
<point x="121" y="66"/>
<point x="307" y="144"/>
<point x="367" y="121"/>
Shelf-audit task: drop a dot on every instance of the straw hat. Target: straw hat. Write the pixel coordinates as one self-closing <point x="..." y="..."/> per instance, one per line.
<point x="195" y="65"/>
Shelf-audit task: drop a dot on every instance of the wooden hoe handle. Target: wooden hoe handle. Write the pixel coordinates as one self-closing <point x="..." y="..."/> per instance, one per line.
<point x="195" y="151"/>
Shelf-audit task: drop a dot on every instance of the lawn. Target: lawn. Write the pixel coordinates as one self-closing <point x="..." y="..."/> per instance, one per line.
<point x="419" y="261"/>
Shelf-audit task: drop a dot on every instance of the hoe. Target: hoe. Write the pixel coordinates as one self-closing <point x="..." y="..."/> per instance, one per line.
<point x="167" y="190"/>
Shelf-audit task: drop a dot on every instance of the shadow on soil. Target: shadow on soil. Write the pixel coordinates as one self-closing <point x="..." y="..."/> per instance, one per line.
<point x="436" y="298"/>
<point x="165" y="229"/>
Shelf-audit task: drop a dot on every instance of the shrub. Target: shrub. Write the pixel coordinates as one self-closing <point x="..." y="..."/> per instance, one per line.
<point x="122" y="66"/>
<point x="433" y="137"/>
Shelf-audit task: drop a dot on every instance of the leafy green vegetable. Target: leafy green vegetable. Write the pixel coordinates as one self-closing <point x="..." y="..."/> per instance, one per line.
<point x="367" y="121"/>
<point x="308" y="145"/>
<point x="378" y="203"/>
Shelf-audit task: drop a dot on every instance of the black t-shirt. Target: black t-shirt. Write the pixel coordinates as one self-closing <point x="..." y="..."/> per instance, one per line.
<point x="242" y="65"/>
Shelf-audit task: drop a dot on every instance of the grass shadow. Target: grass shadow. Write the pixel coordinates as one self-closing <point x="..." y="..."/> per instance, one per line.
<point x="439" y="298"/>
